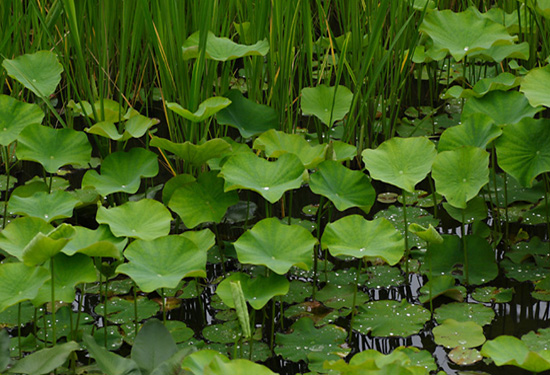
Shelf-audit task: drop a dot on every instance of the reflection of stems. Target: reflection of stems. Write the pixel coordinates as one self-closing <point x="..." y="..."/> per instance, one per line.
<point x="546" y="203"/>
<point x="506" y="230"/>
<point x="199" y="297"/>
<point x="52" y="273"/>
<point x="406" y="234"/>
<point x="462" y="230"/>
<point x="434" y="196"/>
<point x="319" y="216"/>
<point x="354" y="299"/>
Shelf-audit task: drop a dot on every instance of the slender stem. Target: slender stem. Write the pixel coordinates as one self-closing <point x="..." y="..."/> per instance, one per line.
<point x="506" y="225"/>
<point x="8" y="167"/>
<point x="463" y="232"/>
<point x="105" y="310"/>
<point x="429" y="255"/>
<point x="199" y="296"/>
<point x="545" y="175"/>
<point x="162" y="294"/>
<point x="19" y="329"/>
<point x="406" y="234"/>
<point x="52" y="273"/>
<point x="315" y="261"/>
<point x="272" y="338"/>
<point x="360" y="263"/>
<point x="135" y="311"/>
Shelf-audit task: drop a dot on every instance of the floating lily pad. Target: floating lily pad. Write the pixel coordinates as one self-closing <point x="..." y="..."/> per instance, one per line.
<point x="203" y="200"/>
<point x="196" y="155"/>
<point x="53" y="148"/>
<point x="122" y="171"/>
<point x="465" y="312"/>
<point x="534" y="86"/>
<point x="443" y="285"/>
<point x="464" y="334"/>
<point x="275" y="143"/>
<point x="305" y="339"/>
<point x="298" y="291"/>
<point x="537" y="341"/>
<point x="419" y="198"/>
<point x="63" y="317"/>
<point x="276" y="246"/>
<point x="9" y="317"/>
<point x="175" y="258"/>
<point x="121" y="310"/>
<point x="328" y="104"/>
<point x="383" y="276"/>
<point x="146" y="219"/>
<point x="344" y="187"/>
<point x="236" y="366"/>
<point x="524" y="272"/>
<point x="503" y="82"/>
<point x="314" y="310"/>
<point x="523" y="150"/>
<point x="257" y="291"/>
<point x="509" y="350"/>
<point x="57" y="205"/>
<point x="13" y="290"/>
<point x="95" y="243"/>
<point x="460" y="174"/>
<point x="224" y="333"/>
<point x="464" y="356"/>
<point x="357" y="237"/>
<point x="340" y="296"/>
<point x="15" y="116"/>
<point x="515" y="192"/>
<point x="390" y="318"/>
<point x="248" y="117"/>
<point x="493" y="294"/>
<point x="402" y="162"/>
<point x="222" y="49"/>
<point x="476" y="210"/>
<point x="269" y="179"/>
<point x="39" y="72"/>
<point x="206" y="109"/>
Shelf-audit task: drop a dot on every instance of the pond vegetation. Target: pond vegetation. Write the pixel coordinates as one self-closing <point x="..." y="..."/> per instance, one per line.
<point x="322" y="187"/>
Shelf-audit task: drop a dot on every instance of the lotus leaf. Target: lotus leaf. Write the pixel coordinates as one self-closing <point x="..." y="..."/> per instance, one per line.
<point x="121" y="310"/>
<point x="135" y="127"/>
<point x="110" y="363"/>
<point x="95" y="243"/>
<point x="276" y="246"/>
<point x="419" y="198"/>
<point x="430" y="234"/>
<point x="476" y="210"/>
<point x="174" y="183"/>
<point x="236" y="366"/>
<point x="153" y="345"/>
<point x="503" y="82"/>
<point x="174" y="257"/>
<point x="305" y="338"/>
<point x="509" y="350"/>
<point x="328" y="104"/>
<point x="452" y="334"/>
<point x="534" y="86"/>
<point x="206" y="109"/>
<point x="402" y="162"/>
<point x="13" y="290"/>
<point x="477" y="130"/>
<point x="107" y="109"/>
<point x="443" y="285"/>
<point x="224" y="333"/>
<point x="523" y="150"/>
<point x="537" y="341"/>
<point x="460" y="174"/>
<point x="69" y="271"/>
<point x="203" y="200"/>
<point x="448" y="33"/>
<point x="340" y="296"/>
<point x="465" y="312"/>
<point x="344" y="187"/>
<point x="46" y="360"/>
<point x="53" y="148"/>
<point x="197" y="361"/>
<point x="355" y="236"/>
<point x="275" y="143"/>
<point x="499" y="52"/>
<point x="383" y="276"/>
<point x="269" y="179"/>
<point x="257" y="291"/>
<point x="491" y="294"/>
<point x="222" y="49"/>
<point x="45" y="246"/>
<point x="248" y="117"/>
<point x="64" y="316"/>
<point x="514" y="191"/>
<point x="463" y="356"/>
<point x="390" y="318"/>
<point x="17" y="234"/>
<point x="503" y="107"/>
<point x="196" y="155"/>
<point x="57" y="205"/>
<point x="15" y="116"/>
<point x="40" y="72"/>
<point x="146" y="219"/>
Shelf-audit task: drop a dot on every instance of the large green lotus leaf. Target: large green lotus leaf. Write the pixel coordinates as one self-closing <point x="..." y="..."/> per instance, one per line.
<point x="452" y="334"/>
<point x="236" y="366"/>
<point x="68" y="272"/>
<point x="95" y="243"/>
<point x="465" y="312"/>
<point x="509" y="350"/>
<point x="448" y="259"/>
<point x="146" y="219"/>
<point x="122" y="171"/>
<point x="163" y="262"/>
<point x="45" y="246"/>
<point x="535" y="86"/>
<point x="194" y="154"/>
<point x="153" y="345"/>
<point x="305" y="338"/>
<point x="222" y="49"/>
<point x="409" y="356"/>
<point x="355" y="236"/>
<point x="17" y="234"/>
<point x="197" y="361"/>
<point x="107" y="109"/>
<point x="537" y="341"/>
<point x="53" y="148"/>
<point x="402" y="162"/>
<point x="503" y="107"/>
<point x="499" y="52"/>
<point x="460" y="174"/>
<point x="108" y="362"/>
<point x="448" y="33"/>
<point x="206" y="109"/>
<point x="275" y="143"/>
<point x="15" y="116"/>
<point x="204" y="239"/>
<point x="121" y="310"/>
<point x="45" y="361"/>
<point x="203" y="200"/>
<point x="328" y="104"/>
<point x="504" y="82"/>
<point x="514" y="191"/>
<point x="57" y="205"/>
<point x="13" y="289"/>
<point x="476" y="210"/>
<point x="523" y="150"/>
<point x="443" y="285"/>
<point x="542" y="7"/>
<point x="390" y="318"/>
<point x="269" y="179"/>
<point x="135" y="127"/>
<point x="257" y="291"/>
<point x="248" y="117"/>
<point x="344" y="187"/>
<point x="276" y="246"/>
<point x="173" y="184"/>
<point x="477" y="130"/>
<point x="40" y="72"/>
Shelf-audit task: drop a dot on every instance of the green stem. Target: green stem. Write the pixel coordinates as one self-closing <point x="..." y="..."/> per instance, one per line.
<point x="406" y="234"/>
<point x="52" y="273"/>
<point x="19" y="329"/>
<point x="545" y="176"/>
<point x="354" y="299"/>
<point x="163" y="305"/>
<point x="8" y="167"/>
<point x="135" y="311"/>
<point x="272" y="338"/>
<point x="429" y="255"/>
<point x="463" y="232"/>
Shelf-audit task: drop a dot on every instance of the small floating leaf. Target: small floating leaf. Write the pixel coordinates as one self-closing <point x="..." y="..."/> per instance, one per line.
<point x="465" y="312"/>
<point x="452" y="334"/>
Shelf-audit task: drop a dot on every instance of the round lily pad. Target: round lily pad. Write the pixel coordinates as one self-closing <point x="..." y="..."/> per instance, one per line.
<point x="383" y="276"/>
<point x="493" y="294"/>
<point x="328" y="104"/>
<point x="340" y="296"/>
<point x="452" y="334"/>
<point x="206" y="109"/>
<point x="390" y="318"/>
<point x="464" y="356"/>
<point x="121" y="310"/>
<point x="465" y="312"/>
<point x="224" y="333"/>
<point x="191" y="153"/>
